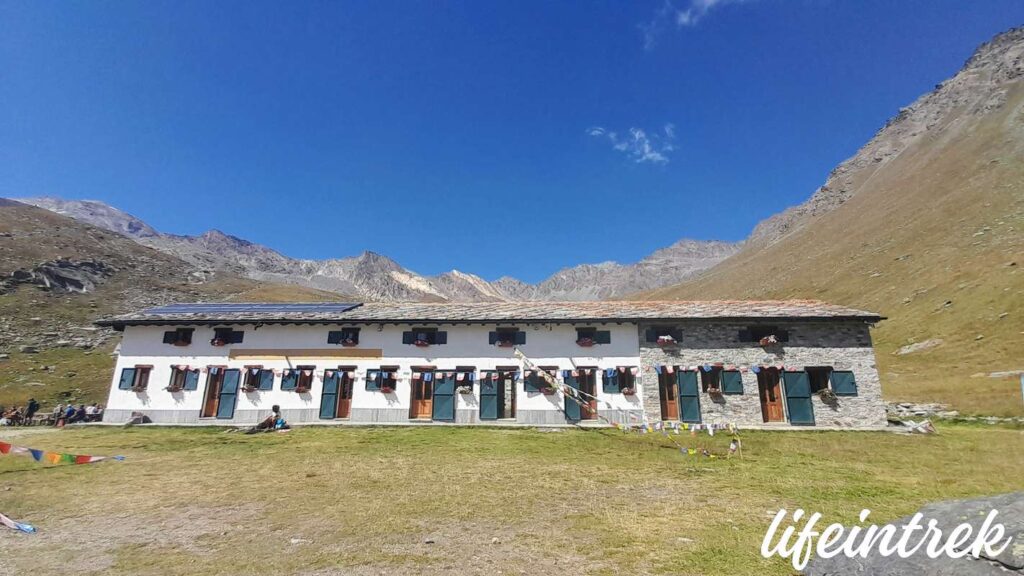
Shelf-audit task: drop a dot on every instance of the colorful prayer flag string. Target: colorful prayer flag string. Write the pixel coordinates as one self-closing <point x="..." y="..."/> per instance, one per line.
<point x="53" y="457"/>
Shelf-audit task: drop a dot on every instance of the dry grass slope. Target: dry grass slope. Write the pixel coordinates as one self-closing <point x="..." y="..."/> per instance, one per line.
<point x="933" y="239"/>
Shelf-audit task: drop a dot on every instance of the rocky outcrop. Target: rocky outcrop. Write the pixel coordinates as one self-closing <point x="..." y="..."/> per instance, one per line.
<point x="61" y="276"/>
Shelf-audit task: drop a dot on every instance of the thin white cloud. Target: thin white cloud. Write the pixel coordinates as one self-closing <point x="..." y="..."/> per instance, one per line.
<point x="638" y="145"/>
<point x="668" y="14"/>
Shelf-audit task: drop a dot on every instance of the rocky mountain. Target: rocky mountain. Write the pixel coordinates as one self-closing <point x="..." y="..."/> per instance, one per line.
<point x="924" y="224"/>
<point x="375" y="277"/>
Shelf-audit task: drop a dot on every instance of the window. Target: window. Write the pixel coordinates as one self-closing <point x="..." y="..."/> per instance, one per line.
<point x="183" y="378"/>
<point x="464" y="376"/>
<point x="299" y="379"/>
<point x="711" y="381"/>
<point x="345" y="336"/>
<point x="843" y="383"/>
<point x="179" y="337"/>
<point x="756" y="333"/>
<point x="660" y="334"/>
<point x="818" y="377"/>
<point x="258" y="378"/>
<point x="135" y="378"/>
<point x="535" y="382"/>
<point x="591" y="336"/>
<point x="506" y="337"/>
<point x="424" y="337"/>
<point x="381" y="378"/>
<point x="619" y="379"/>
<point x="222" y="336"/>
<point x="732" y="382"/>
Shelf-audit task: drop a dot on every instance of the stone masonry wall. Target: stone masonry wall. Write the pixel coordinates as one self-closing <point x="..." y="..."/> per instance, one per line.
<point x="842" y="345"/>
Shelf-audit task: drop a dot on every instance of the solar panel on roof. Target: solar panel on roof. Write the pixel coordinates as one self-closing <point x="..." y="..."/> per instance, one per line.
<point x="246" y="307"/>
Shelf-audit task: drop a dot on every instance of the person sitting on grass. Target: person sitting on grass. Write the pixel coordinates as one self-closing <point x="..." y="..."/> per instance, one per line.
<point x="272" y="422"/>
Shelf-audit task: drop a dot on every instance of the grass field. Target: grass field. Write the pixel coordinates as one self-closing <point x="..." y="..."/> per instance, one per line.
<point x="367" y="500"/>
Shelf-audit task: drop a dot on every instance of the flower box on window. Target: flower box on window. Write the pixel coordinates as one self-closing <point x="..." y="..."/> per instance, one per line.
<point x="464" y="390"/>
<point x="769" y="340"/>
<point x="715" y="390"/>
<point x="349" y="342"/>
<point x="629" y="391"/>
<point x="387" y="389"/>
<point x="667" y="341"/>
<point x="505" y="343"/>
<point x="827" y="396"/>
<point x="249" y="389"/>
<point x="421" y="343"/>
<point x="301" y="389"/>
<point x="217" y="342"/>
<point x="138" y="388"/>
<point x="548" y="390"/>
<point x="175" y="388"/>
<point x="585" y="342"/>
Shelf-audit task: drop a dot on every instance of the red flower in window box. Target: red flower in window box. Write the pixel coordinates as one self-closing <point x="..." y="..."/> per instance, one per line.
<point x="174" y="388"/>
<point x="138" y="388"/>
<point x="769" y="340"/>
<point x="301" y="390"/>
<point x="386" y="389"/>
<point x="715" y="391"/>
<point x="421" y="343"/>
<point x="667" y="341"/>
<point x="249" y="389"/>
<point x="181" y="343"/>
<point x="349" y="342"/>
<point x="505" y="344"/>
<point x="585" y="342"/>
<point x="629" y="391"/>
<point x="548" y="390"/>
<point x="217" y="342"/>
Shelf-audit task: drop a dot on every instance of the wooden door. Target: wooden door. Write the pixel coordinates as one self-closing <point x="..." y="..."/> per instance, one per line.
<point x="587" y="385"/>
<point x="771" y="395"/>
<point x="213" y="385"/>
<point x="422" y="404"/>
<point x="345" y="396"/>
<point x="667" y="392"/>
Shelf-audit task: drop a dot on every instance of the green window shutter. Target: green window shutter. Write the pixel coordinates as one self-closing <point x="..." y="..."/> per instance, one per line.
<point x="440" y="337"/>
<point x="603" y="337"/>
<point x="488" y="398"/>
<point x="373" y="383"/>
<point x="572" y="408"/>
<point x="170" y="337"/>
<point x="191" y="380"/>
<point x="650" y="335"/>
<point x="798" y="397"/>
<point x="843" y="383"/>
<point x="266" y="379"/>
<point x="689" y="396"/>
<point x="531" y="383"/>
<point x="236" y="336"/>
<point x="520" y="338"/>
<point x="611" y="382"/>
<point x="228" y="395"/>
<point x="334" y="337"/>
<point x="329" y="398"/>
<point x="732" y="382"/>
<point x="492" y="338"/>
<point x="443" y="405"/>
<point x="290" y="380"/>
<point x="408" y="337"/>
<point x="127" y="378"/>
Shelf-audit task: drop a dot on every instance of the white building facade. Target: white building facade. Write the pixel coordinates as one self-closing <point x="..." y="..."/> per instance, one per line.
<point x="621" y="362"/>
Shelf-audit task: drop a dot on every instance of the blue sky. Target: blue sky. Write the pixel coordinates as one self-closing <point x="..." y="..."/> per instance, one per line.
<point x="498" y="138"/>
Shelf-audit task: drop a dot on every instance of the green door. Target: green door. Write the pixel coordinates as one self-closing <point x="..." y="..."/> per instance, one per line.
<point x="572" y="407"/>
<point x="228" y="395"/>
<point x="689" y="396"/>
<point x="329" y="399"/>
<point x="489" y="397"/>
<point x="444" y="397"/>
<point x="798" y="398"/>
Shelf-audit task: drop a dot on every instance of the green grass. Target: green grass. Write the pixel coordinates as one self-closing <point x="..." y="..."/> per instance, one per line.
<point x="365" y="500"/>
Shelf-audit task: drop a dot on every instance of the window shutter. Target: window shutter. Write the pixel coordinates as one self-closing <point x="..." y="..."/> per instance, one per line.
<point x="334" y="337"/>
<point x="440" y="337"/>
<point x="745" y="335"/>
<point x="530" y="383"/>
<point x="191" y="380"/>
<point x="492" y="338"/>
<point x="290" y="380"/>
<point x="127" y="378"/>
<point x="782" y="335"/>
<point x="798" y="397"/>
<point x="732" y="382"/>
<point x="520" y="337"/>
<point x="170" y="337"/>
<point x="678" y="335"/>
<point x="266" y="379"/>
<point x="236" y="336"/>
<point x="603" y="337"/>
<point x="651" y="335"/>
<point x="228" y="395"/>
<point x="844" y="383"/>
<point x="611" y="382"/>
<point x="408" y="337"/>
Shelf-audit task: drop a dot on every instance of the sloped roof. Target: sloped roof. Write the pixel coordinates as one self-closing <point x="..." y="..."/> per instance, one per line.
<point x="490" y="312"/>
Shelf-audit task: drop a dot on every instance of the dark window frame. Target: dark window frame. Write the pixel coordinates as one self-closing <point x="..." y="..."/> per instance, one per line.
<point x="179" y="336"/>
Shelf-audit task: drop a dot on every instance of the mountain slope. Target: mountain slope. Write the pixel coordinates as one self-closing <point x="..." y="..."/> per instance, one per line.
<point x="925" y="224"/>
<point x="375" y="277"/>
